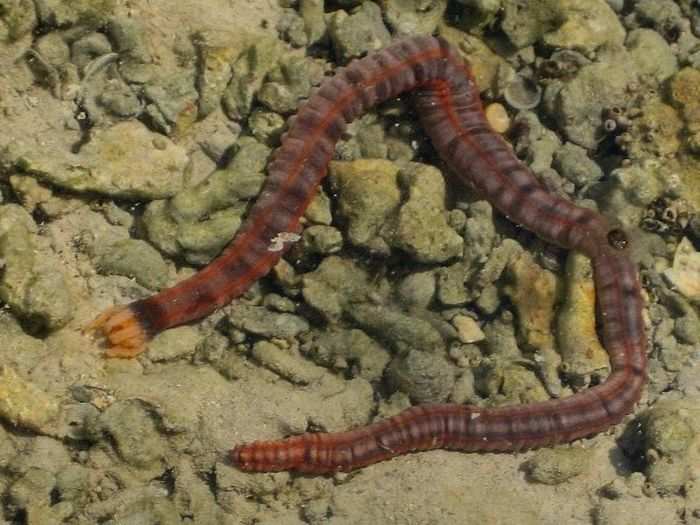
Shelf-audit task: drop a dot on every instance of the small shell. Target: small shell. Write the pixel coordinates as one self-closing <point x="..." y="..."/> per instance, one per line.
<point x="522" y="93"/>
<point x="498" y="117"/>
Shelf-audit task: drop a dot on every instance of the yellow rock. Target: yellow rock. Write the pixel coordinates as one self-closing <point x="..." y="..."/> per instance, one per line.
<point x="498" y="117"/>
<point x="581" y="352"/>
<point x="23" y="404"/>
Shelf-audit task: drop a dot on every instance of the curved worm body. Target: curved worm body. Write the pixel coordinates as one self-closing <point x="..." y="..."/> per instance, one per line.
<point x="448" y="103"/>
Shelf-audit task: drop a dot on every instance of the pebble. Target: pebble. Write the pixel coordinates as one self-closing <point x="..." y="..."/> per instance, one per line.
<point x="684" y="275"/>
<point x="498" y="117"/>
<point x="468" y="330"/>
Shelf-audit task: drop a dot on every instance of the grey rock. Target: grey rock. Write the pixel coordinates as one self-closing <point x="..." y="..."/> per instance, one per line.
<point x="75" y="420"/>
<point x="53" y="49"/>
<point x="125" y="160"/>
<point x="555" y="466"/>
<point x="408" y="17"/>
<point x="359" y="32"/>
<point x="279" y="303"/>
<point x="128" y="36"/>
<point x="312" y="12"/>
<point x="524" y="23"/>
<point x="417" y="290"/>
<point x="289" y="81"/>
<point x="118" y="98"/>
<point x="174" y="344"/>
<point x="90" y="14"/>
<point x="632" y="188"/>
<point x="201" y="242"/>
<point x="134" y="434"/>
<point x="30" y="283"/>
<point x="616" y="5"/>
<point x="368" y="195"/>
<point x="91" y="46"/>
<point x="214" y="73"/>
<point x="586" y="25"/>
<point x="73" y="484"/>
<point x="323" y="240"/>
<point x="19" y="18"/>
<point x="137" y="259"/>
<point x="202" y="219"/>
<point x="538" y="145"/>
<point x="249" y="71"/>
<point x="422" y="229"/>
<point x="451" y="281"/>
<point x="424" y="376"/>
<point x="399" y="330"/>
<point x="662" y="15"/>
<point x="684" y="275"/>
<point x="336" y="285"/>
<point x="217" y="135"/>
<point x="479" y="234"/>
<point x="573" y="163"/>
<point x="497" y="261"/>
<point x="500" y="337"/>
<point x="489" y="300"/>
<point x="369" y="199"/>
<point x="31" y="492"/>
<point x="170" y="101"/>
<point x="292" y="28"/>
<point x="580" y="103"/>
<point x="261" y="321"/>
<point x="266" y="126"/>
<point x="349" y="350"/>
<point x="670" y="428"/>
<point x="286" y="364"/>
<point x="24" y="404"/>
<point x="653" y="57"/>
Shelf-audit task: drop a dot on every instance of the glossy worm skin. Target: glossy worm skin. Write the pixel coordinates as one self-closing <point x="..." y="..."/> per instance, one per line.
<point x="448" y="103"/>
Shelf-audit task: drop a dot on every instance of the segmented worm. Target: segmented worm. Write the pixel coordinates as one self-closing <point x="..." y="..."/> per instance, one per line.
<point x="450" y="110"/>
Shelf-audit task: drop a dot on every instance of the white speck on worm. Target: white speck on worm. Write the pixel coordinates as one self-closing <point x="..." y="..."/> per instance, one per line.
<point x="277" y="242"/>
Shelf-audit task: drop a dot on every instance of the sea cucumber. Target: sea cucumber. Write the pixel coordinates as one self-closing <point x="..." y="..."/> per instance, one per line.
<point x="450" y="110"/>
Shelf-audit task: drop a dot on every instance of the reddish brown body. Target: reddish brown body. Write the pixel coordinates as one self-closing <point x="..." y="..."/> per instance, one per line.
<point x="450" y="110"/>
